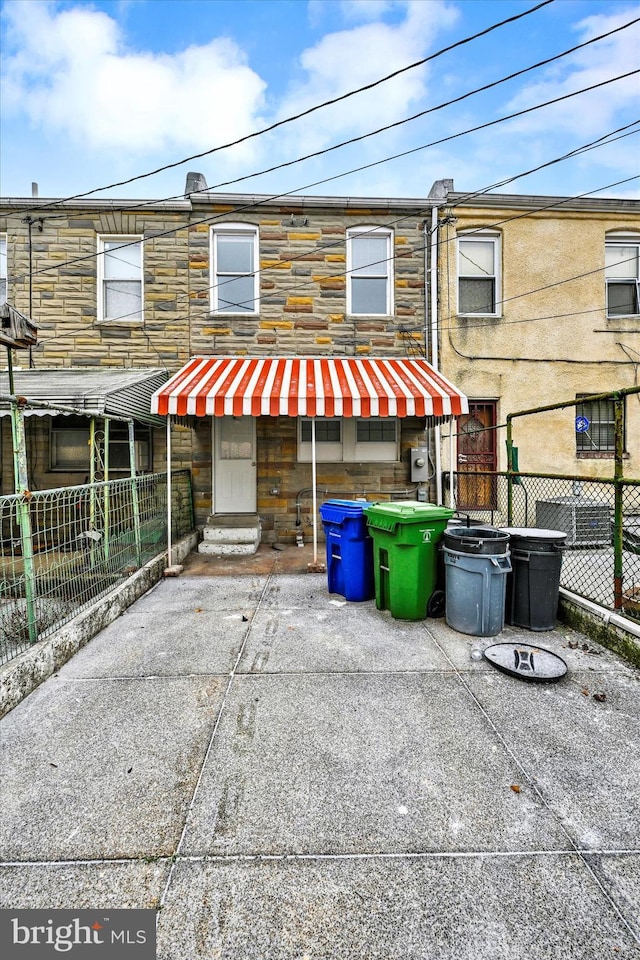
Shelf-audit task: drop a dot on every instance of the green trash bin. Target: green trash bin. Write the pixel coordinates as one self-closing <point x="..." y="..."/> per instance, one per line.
<point x="405" y="535"/>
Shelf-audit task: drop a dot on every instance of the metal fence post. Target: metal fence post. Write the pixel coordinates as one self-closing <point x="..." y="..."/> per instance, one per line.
<point x="24" y="516"/>
<point x="106" y="532"/>
<point x="134" y="493"/>
<point x="618" y="498"/>
<point x="509" y="471"/>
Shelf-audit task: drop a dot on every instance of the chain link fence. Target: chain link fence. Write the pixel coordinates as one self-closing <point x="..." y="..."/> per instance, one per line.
<point x="601" y="561"/>
<point x="64" y="548"/>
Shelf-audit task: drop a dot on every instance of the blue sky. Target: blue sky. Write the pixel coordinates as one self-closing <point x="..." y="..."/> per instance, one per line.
<point x="95" y="93"/>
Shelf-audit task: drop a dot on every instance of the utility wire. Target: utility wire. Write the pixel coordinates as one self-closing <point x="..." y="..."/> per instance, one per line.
<point x="554" y="205"/>
<point x="390" y="126"/>
<point x="465" y="199"/>
<point x="415" y="116"/>
<point x="269" y="199"/>
<point x="310" y="110"/>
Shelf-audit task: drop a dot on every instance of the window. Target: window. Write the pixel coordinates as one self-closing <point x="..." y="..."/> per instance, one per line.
<point x="478" y="278"/>
<point x="235" y="269"/>
<point x="120" y="279"/>
<point x="370" y="270"/>
<point x="3" y="269"/>
<point x="349" y="440"/>
<point x="595" y="428"/>
<point x="70" y="445"/>
<point x="622" y="276"/>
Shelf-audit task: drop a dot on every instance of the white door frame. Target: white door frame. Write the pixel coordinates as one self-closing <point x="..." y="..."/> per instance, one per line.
<point x="250" y="502"/>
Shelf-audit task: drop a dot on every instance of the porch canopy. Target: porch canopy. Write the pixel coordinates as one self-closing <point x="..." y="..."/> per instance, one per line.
<point x="92" y="393"/>
<point x="306" y="387"/>
<point x="309" y="387"/>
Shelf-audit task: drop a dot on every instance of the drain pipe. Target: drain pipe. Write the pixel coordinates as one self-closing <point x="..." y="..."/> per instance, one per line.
<point x="431" y="330"/>
<point x="315" y="494"/>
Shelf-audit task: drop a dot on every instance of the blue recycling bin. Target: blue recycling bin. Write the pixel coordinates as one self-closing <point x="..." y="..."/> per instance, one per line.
<point x="349" y="549"/>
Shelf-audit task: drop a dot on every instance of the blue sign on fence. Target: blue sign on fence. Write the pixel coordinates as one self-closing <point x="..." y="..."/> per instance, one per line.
<point x="582" y="424"/>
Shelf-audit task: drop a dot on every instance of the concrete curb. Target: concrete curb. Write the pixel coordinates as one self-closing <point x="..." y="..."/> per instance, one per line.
<point x="601" y="625"/>
<point x="29" y="669"/>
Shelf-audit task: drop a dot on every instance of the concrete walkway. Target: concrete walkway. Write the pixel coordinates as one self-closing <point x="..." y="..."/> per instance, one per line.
<point x="291" y="776"/>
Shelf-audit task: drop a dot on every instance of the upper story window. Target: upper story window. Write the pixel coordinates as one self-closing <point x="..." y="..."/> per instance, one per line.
<point x="622" y="264"/>
<point x="120" y="278"/>
<point x="370" y="271"/>
<point x="3" y="269"/>
<point x="479" y="274"/>
<point x="235" y="257"/>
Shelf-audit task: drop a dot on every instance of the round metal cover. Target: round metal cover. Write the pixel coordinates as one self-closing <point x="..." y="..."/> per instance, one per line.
<point x="526" y="662"/>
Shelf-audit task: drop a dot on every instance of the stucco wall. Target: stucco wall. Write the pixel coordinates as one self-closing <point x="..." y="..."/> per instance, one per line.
<point x="553" y="340"/>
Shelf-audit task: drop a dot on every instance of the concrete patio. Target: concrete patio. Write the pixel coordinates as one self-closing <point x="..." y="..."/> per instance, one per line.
<point x="288" y="775"/>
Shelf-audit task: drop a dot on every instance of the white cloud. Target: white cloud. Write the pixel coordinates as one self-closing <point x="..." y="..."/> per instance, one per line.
<point x="70" y="70"/>
<point x="348" y="59"/>
<point x="593" y="112"/>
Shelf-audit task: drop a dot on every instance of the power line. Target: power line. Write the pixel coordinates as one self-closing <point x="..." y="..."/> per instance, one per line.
<point x="310" y="110"/>
<point x="577" y="151"/>
<point x="555" y="204"/>
<point x="289" y="193"/>
<point x="398" y="123"/>
<point x="415" y="116"/>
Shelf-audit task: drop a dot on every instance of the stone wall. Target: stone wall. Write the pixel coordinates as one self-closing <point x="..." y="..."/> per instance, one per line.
<point x="302" y="311"/>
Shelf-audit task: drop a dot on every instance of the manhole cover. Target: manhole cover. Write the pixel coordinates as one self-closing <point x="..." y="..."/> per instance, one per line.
<point x="526" y="662"/>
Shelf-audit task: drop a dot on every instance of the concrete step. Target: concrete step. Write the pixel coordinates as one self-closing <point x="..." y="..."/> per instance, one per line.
<point x="231" y="534"/>
<point x="227" y="549"/>
<point x="237" y="535"/>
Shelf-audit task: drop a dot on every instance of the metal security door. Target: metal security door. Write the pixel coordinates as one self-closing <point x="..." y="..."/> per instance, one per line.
<point x="477" y="455"/>
<point x="234" y="469"/>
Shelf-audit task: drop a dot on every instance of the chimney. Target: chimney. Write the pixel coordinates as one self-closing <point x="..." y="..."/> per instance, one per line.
<point x="440" y="189"/>
<point x="34" y="189"/>
<point x="196" y="182"/>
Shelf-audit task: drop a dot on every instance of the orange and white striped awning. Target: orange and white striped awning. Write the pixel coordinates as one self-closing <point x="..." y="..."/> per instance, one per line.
<point x="308" y="387"/>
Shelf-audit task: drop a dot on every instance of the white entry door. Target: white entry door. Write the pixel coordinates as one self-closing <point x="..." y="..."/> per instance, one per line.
<point x="234" y="467"/>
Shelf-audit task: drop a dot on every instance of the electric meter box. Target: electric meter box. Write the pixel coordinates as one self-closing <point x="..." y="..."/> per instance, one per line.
<point x="419" y="464"/>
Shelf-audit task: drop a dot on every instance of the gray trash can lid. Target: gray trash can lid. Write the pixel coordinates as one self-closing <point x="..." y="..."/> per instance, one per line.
<point x="526" y="662"/>
<point x="536" y="533"/>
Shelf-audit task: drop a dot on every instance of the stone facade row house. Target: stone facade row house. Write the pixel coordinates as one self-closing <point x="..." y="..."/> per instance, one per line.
<point x="519" y="301"/>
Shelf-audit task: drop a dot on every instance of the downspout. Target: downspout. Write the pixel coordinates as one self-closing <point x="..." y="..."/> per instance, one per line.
<point x="431" y="330"/>
<point x="169" y="518"/>
<point x="314" y="495"/>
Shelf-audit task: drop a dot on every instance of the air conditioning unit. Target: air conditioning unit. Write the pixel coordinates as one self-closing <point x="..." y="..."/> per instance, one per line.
<point x="587" y="523"/>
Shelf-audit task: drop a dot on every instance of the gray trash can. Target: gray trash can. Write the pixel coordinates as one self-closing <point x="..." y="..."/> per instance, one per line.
<point x="477" y="563"/>
<point x="533" y="586"/>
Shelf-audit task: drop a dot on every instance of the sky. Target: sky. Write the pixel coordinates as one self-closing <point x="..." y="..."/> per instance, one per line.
<point x="98" y="93"/>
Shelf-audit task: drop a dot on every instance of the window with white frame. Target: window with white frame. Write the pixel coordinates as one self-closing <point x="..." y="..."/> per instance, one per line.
<point x="235" y="259"/>
<point x="69" y="446"/>
<point x="120" y="279"/>
<point x="3" y="268"/>
<point x="622" y="271"/>
<point x="350" y="440"/>
<point x="369" y="271"/>
<point x="479" y="274"/>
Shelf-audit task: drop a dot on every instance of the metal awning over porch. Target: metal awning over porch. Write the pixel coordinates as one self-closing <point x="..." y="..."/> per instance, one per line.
<point x="111" y="391"/>
<point x="309" y="387"/>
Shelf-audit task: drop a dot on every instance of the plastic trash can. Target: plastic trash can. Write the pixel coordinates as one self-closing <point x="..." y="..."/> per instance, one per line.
<point x="477" y="563"/>
<point x="406" y="534"/>
<point x="349" y="549"/>
<point x="533" y="586"/>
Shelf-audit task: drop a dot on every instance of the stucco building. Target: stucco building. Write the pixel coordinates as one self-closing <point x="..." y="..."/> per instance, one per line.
<point x="539" y="305"/>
